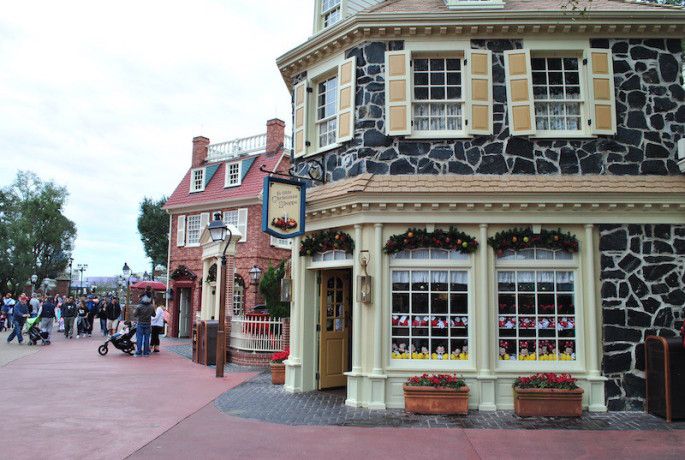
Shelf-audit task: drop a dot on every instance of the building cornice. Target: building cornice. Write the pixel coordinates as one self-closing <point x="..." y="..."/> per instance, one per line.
<point x="212" y="205"/>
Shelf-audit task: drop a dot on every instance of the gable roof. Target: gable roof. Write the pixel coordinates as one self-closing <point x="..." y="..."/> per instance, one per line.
<point x="250" y="187"/>
<point x="438" y="6"/>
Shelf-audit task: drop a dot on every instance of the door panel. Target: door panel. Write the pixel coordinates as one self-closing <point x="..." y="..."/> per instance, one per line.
<point x="184" y="313"/>
<point x="335" y="324"/>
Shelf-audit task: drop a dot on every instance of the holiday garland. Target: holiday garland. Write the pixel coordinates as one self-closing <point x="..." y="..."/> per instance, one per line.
<point x="523" y="238"/>
<point x="327" y="240"/>
<point x="413" y="238"/>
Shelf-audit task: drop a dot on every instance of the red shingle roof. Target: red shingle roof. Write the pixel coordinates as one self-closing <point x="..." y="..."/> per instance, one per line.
<point x="214" y="191"/>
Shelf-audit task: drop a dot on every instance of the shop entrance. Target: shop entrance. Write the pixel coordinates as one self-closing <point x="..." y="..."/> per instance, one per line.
<point x="335" y="325"/>
<point x="184" y="313"/>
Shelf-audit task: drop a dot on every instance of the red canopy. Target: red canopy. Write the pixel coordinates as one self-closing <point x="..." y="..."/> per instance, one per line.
<point x="154" y="285"/>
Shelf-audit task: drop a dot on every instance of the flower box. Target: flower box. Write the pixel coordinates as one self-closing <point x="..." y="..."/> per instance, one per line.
<point x="547" y="395"/>
<point x="277" y="373"/>
<point x="436" y="400"/>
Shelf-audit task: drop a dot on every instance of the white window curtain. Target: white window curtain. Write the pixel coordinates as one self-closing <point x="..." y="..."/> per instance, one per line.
<point x="439" y="277"/>
<point x="419" y="277"/>
<point x="400" y="277"/>
<point x="506" y="277"/>
<point x="459" y="277"/>
<point x="545" y="277"/>
<point x="525" y="277"/>
<point x="564" y="277"/>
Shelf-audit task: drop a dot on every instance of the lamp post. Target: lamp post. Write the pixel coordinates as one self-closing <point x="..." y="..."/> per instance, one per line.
<point x="218" y="230"/>
<point x="81" y="268"/>
<point x="34" y="278"/>
<point x="126" y="271"/>
<point x="71" y="273"/>
<point x="255" y="275"/>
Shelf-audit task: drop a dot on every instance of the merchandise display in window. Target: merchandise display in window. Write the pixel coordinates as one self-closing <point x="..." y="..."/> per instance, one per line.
<point x="430" y="314"/>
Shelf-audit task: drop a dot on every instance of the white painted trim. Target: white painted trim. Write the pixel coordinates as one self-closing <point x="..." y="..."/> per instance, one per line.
<point x="192" y="188"/>
<point x="240" y="173"/>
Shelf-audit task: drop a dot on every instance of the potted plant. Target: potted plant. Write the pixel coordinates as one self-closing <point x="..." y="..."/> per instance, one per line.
<point x="277" y="367"/>
<point x="436" y="394"/>
<point x="547" y="395"/>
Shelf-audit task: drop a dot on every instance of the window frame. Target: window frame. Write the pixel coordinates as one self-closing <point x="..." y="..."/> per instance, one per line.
<point x="326" y="12"/>
<point x="193" y="180"/>
<point x="465" y="264"/>
<point x="190" y="218"/>
<point x="318" y="122"/>
<point x="238" y="293"/>
<point x="227" y="183"/>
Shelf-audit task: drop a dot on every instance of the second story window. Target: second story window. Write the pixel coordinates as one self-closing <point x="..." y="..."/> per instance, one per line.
<point x="233" y="174"/>
<point x="193" y="230"/>
<point x="197" y="180"/>
<point x="326" y="111"/>
<point x="330" y="12"/>
<point x="557" y="94"/>
<point x="437" y="99"/>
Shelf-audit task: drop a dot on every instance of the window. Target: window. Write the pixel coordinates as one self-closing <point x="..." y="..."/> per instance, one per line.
<point x="283" y="243"/>
<point x="330" y="12"/>
<point x="329" y="256"/>
<point x="326" y="111"/>
<point x="238" y="296"/>
<point x="197" y="180"/>
<point x="193" y="231"/>
<point x="437" y="100"/>
<point x="233" y="174"/>
<point x="238" y="219"/>
<point x="557" y="94"/>
<point x="430" y="317"/>
<point x="537" y="315"/>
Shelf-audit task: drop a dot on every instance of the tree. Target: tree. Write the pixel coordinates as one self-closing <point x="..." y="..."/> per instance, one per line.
<point x="36" y="237"/>
<point x="270" y="288"/>
<point x="153" y="226"/>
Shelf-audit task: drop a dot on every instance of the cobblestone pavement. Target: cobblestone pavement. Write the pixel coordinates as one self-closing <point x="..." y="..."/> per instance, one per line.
<point x="12" y="351"/>
<point x="187" y="352"/>
<point x="260" y="400"/>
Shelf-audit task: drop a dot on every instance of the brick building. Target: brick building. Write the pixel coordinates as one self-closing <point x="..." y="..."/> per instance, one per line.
<point x="223" y="178"/>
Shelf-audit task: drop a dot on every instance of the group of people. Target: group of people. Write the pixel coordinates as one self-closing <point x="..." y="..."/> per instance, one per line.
<point x="77" y="317"/>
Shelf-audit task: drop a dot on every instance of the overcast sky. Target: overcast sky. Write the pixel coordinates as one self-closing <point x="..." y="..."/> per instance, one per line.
<point x="105" y="98"/>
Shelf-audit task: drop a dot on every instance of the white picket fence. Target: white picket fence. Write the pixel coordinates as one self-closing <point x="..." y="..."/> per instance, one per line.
<point x="256" y="334"/>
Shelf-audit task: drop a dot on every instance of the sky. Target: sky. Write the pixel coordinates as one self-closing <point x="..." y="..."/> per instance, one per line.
<point x="105" y="98"/>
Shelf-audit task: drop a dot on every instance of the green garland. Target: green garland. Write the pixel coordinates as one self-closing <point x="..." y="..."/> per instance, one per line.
<point x="414" y="238"/>
<point x="327" y="240"/>
<point x="524" y="238"/>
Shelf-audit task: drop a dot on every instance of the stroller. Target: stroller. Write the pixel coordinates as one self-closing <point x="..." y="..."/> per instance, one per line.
<point x="34" y="332"/>
<point x="121" y="341"/>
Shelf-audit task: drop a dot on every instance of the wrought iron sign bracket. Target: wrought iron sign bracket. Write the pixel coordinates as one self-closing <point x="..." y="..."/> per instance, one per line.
<point x="310" y="176"/>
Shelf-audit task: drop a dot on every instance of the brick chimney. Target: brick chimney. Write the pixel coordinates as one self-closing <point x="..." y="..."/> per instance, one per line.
<point x="200" y="144"/>
<point x="275" y="134"/>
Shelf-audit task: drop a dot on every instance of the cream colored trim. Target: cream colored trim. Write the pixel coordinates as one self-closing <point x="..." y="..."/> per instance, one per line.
<point x="520" y="104"/>
<point x="398" y="93"/>
<point x="347" y="85"/>
<point x="213" y="204"/>
<point x="478" y="103"/>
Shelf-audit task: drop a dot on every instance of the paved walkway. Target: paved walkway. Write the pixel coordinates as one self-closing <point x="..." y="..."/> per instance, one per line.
<point x="14" y="351"/>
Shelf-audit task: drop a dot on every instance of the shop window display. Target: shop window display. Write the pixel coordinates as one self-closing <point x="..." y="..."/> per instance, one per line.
<point x="430" y="314"/>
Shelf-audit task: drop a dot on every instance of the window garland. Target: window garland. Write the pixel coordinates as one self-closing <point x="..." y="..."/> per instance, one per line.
<point x="327" y="240"/>
<point x="523" y="238"/>
<point x="414" y="238"/>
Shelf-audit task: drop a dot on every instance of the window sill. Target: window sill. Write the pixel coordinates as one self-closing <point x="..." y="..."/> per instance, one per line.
<point x="196" y="191"/>
<point x="232" y="186"/>
<point x="439" y="135"/>
<point x="561" y="136"/>
<point x="320" y="151"/>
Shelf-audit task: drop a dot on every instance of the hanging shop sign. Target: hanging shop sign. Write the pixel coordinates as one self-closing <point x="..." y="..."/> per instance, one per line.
<point x="283" y="207"/>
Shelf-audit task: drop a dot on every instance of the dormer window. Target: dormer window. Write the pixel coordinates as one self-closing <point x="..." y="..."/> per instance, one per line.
<point x="473" y="4"/>
<point x="233" y="174"/>
<point x="197" y="180"/>
<point x="330" y="12"/>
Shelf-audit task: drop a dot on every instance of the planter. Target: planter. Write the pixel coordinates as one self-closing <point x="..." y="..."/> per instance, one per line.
<point x="277" y="373"/>
<point x="440" y="400"/>
<point x="548" y="402"/>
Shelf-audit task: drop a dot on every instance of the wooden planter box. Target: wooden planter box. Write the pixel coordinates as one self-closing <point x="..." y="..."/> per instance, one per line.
<point x="277" y="373"/>
<point x="431" y="400"/>
<point x="548" y="402"/>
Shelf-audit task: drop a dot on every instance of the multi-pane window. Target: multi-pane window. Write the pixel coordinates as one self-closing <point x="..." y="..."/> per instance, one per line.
<point x="430" y="314"/>
<point x="536" y="309"/>
<point x="233" y="218"/>
<point x="238" y="299"/>
<point x="330" y="12"/>
<point x="197" y="180"/>
<point x="233" y="174"/>
<point x="326" y="110"/>
<point x="437" y="100"/>
<point x="557" y="95"/>
<point x="193" y="229"/>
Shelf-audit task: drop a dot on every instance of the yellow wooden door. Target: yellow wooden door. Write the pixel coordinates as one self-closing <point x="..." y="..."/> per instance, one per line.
<point x="335" y="313"/>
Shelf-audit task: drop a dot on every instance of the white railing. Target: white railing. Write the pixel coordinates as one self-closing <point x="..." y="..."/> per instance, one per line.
<point x="256" y="333"/>
<point x="241" y="147"/>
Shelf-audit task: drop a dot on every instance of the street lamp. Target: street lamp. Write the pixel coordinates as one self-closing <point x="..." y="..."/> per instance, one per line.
<point x="255" y="275"/>
<point x="81" y="268"/>
<point x="71" y="273"/>
<point x="126" y="270"/>
<point x="217" y="230"/>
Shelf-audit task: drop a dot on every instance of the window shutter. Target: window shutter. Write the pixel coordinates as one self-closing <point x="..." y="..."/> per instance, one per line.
<point x="479" y="108"/>
<point x="301" y="118"/>
<point x="397" y="93"/>
<point x="242" y="224"/>
<point x="602" y="113"/>
<point x="204" y="222"/>
<point x="181" y="231"/>
<point x="347" y="76"/>
<point x="519" y="92"/>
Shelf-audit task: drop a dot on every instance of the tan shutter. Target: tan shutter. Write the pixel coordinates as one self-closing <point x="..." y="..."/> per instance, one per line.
<point x="300" y="122"/>
<point x="347" y="76"/>
<point x="519" y="92"/>
<point x="181" y="231"/>
<point x="479" y="105"/>
<point x="601" y="103"/>
<point x="397" y="93"/>
<point x="242" y="224"/>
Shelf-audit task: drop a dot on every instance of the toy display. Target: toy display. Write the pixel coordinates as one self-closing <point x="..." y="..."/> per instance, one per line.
<point x="547" y="351"/>
<point x="569" y="353"/>
<point x="503" y="347"/>
<point x="525" y="353"/>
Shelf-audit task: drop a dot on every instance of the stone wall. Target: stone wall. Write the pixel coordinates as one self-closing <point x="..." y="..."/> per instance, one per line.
<point x="643" y="293"/>
<point x="650" y="108"/>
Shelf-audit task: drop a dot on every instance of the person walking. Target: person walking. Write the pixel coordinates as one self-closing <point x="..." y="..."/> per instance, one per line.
<point x="102" y="315"/>
<point x="19" y="315"/>
<point x="143" y="314"/>
<point x="92" y="305"/>
<point x="82" y="320"/>
<point x="7" y="308"/>
<point x="47" y="318"/>
<point x="69" y="314"/>
<point x="112" y="312"/>
<point x="157" y="328"/>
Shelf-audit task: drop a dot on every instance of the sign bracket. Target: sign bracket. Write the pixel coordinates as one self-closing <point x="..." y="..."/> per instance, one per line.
<point x="310" y="175"/>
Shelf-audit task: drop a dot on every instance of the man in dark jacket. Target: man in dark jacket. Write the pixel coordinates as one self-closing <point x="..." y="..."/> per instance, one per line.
<point x="19" y="315"/>
<point x="47" y="318"/>
<point x="143" y="314"/>
<point x="69" y="312"/>
<point x="112" y="311"/>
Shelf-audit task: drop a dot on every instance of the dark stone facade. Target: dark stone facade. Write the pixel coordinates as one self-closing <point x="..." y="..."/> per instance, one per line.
<point x="643" y="293"/>
<point x="650" y="109"/>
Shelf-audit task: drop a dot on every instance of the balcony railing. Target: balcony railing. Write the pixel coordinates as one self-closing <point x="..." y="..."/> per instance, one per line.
<point x="256" y="333"/>
<point x="241" y="147"/>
